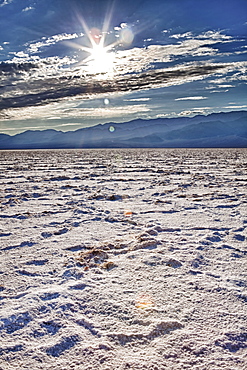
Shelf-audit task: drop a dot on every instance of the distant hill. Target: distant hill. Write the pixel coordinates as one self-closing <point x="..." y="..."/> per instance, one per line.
<point x="215" y="130"/>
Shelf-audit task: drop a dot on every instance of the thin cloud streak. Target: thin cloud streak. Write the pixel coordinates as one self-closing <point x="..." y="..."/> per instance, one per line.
<point x="69" y="111"/>
<point x="192" y="98"/>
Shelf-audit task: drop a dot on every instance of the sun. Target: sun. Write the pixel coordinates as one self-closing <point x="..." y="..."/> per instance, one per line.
<point x="100" y="60"/>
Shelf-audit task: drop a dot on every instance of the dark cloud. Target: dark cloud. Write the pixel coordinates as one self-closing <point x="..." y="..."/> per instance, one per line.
<point x="12" y="68"/>
<point x="41" y="92"/>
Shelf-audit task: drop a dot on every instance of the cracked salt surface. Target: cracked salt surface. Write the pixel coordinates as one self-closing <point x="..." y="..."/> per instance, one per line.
<point x="123" y="259"/>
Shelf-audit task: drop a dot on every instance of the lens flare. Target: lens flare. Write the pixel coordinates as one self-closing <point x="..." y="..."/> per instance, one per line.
<point x="96" y="35"/>
<point x="144" y="301"/>
<point x="126" y="36"/>
<point x="128" y="213"/>
<point x="111" y="128"/>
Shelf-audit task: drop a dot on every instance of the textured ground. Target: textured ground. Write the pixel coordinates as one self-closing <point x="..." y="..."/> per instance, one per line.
<point x="123" y="259"/>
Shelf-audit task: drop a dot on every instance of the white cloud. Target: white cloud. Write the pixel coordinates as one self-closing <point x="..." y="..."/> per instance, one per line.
<point x="138" y="99"/>
<point x="21" y="54"/>
<point x="215" y="35"/>
<point x="192" y="98"/>
<point x="68" y="124"/>
<point x="71" y="110"/>
<point x="23" y="128"/>
<point x="105" y="112"/>
<point x="139" y="59"/>
<point x="6" y="2"/>
<point x="235" y="106"/>
<point x="209" y="35"/>
<point x="182" y="35"/>
<point x="218" y="91"/>
<point x="224" y="86"/>
<point x="37" y="46"/>
<point x="194" y="112"/>
<point x="236" y="71"/>
<point x="28" y="8"/>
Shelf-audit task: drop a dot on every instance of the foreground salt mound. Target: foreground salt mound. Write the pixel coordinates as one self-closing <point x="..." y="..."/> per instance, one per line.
<point x="123" y="259"/>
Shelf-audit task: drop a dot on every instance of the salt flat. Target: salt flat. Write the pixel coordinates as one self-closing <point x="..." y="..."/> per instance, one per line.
<point x="123" y="259"/>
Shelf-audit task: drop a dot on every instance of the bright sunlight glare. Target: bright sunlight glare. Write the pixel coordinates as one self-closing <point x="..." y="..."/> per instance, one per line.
<point x="101" y="59"/>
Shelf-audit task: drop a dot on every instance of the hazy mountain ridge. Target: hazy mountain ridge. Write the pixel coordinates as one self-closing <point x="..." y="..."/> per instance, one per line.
<point x="216" y="130"/>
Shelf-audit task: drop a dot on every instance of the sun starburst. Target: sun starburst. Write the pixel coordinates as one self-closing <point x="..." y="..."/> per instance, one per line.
<point x="100" y="58"/>
<point x="101" y="55"/>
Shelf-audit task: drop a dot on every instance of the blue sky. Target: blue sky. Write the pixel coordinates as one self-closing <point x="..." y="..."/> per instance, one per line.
<point x="72" y="64"/>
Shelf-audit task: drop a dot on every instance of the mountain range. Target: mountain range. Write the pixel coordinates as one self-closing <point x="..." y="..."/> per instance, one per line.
<point x="215" y="130"/>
